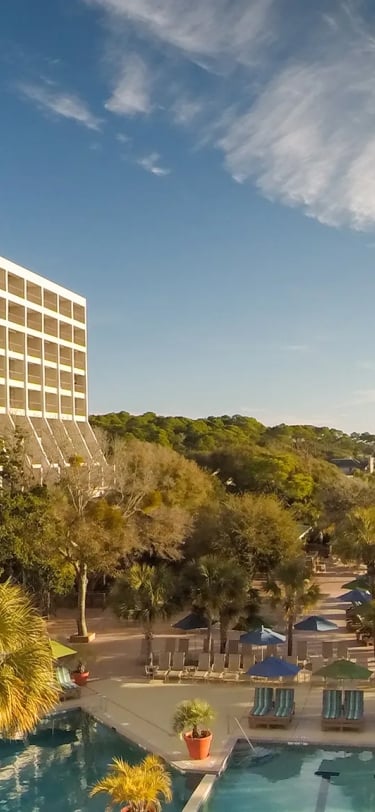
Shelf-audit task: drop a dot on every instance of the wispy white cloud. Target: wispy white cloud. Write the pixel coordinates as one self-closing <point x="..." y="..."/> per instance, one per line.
<point x="151" y="164"/>
<point x="131" y="94"/>
<point x="48" y="98"/>
<point x="122" y="138"/>
<point x="200" y="29"/>
<point x="293" y="109"/>
<point x="309" y="139"/>
<point x="186" y="110"/>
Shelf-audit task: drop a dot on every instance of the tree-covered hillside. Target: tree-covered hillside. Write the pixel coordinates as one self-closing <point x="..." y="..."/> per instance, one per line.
<point x="290" y="462"/>
<point x="187" y="435"/>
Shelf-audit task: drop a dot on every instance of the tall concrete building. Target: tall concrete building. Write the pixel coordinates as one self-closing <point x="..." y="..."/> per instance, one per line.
<point x="43" y="367"/>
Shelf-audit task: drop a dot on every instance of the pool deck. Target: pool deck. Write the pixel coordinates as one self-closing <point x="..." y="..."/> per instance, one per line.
<point x="142" y="710"/>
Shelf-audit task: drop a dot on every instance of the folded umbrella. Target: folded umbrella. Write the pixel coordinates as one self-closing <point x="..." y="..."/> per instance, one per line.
<point x="273" y="668"/>
<point x="315" y="623"/>
<point x="262" y="637"/>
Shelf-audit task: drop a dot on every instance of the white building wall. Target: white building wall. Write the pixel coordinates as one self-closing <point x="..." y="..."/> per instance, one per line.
<point x="43" y="362"/>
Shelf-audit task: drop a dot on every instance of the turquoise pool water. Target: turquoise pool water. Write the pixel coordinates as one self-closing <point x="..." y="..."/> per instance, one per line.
<point x="62" y="761"/>
<point x="287" y="782"/>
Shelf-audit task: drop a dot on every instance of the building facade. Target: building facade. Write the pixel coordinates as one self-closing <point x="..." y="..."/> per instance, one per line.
<point x="43" y="367"/>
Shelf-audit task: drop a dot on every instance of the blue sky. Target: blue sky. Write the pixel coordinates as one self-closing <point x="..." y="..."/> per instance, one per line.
<point x="204" y="173"/>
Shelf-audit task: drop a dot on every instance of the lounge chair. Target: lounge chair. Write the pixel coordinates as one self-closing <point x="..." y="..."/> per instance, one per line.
<point x="291" y="659"/>
<point x="183" y="644"/>
<point x="232" y="646"/>
<point x="218" y="667"/>
<point x="143" y="653"/>
<point x="281" y="712"/>
<point x="284" y="707"/>
<point x="246" y="650"/>
<point x="331" y="709"/>
<point x="233" y="670"/>
<point x="203" y="668"/>
<point x="327" y="650"/>
<point x="353" y="711"/>
<point x="68" y="688"/>
<point x="170" y="644"/>
<point x="247" y="662"/>
<point x="302" y="651"/>
<point x="178" y="665"/>
<point x="162" y="670"/>
<point x="262" y="707"/>
<point x="342" y="650"/>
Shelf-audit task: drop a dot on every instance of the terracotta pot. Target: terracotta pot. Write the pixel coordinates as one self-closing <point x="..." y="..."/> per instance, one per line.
<point x="198" y="748"/>
<point x="80" y="678"/>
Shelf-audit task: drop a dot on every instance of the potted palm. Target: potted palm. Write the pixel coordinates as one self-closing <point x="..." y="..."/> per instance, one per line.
<point x="190" y="715"/>
<point x="138" y="788"/>
<point x="80" y="674"/>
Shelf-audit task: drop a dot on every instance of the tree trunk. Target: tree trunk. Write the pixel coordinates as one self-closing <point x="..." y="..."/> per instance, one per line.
<point x="149" y="643"/>
<point x="223" y="635"/>
<point x="209" y="635"/>
<point x="82" y="592"/>
<point x="290" y="636"/>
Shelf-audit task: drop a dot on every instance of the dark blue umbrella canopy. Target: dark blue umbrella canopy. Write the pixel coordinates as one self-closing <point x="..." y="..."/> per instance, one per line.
<point x="191" y="622"/>
<point x="315" y="623"/>
<point x="262" y="637"/>
<point x="273" y="668"/>
<point x="355" y="596"/>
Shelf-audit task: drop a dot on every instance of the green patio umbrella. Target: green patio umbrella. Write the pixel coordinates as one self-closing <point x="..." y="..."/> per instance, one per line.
<point x="343" y="669"/>
<point x="361" y="582"/>
<point x="59" y="650"/>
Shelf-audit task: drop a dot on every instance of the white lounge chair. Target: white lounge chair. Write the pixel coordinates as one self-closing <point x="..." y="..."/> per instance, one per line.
<point x="218" y="667"/>
<point x="203" y="668"/>
<point x="178" y="666"/>
<point x="162" y="670"/>
<point x="233" y="670"/>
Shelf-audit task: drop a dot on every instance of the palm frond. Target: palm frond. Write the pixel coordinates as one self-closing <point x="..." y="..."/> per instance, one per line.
<point x="140" y="787"/>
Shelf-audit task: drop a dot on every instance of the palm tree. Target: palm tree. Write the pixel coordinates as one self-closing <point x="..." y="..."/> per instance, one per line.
<point x="290" y="587"/>
<point x="366" y="614"/>
<point x="355" y="540"/>
<point x="140" y="788"/>
<point x="146" y="593"/>
<point x="220" y="589"/>
<point x="27" y="685"/>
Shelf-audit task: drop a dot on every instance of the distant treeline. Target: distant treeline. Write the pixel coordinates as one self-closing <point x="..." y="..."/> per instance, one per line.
<point x="211" y="433"/>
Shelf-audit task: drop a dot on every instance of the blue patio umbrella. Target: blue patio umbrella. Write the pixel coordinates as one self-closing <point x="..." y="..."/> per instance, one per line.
<point x="273" y="668"/>
<point x="355" y="596"/>
<point x="191" y="622"/>
<point x="262" y="637"/>
<point x="315" y="623"/>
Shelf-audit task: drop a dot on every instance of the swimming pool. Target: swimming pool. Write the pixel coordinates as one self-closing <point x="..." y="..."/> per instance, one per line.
<point x="65" y="757"/>
<point x="287" y="781"/>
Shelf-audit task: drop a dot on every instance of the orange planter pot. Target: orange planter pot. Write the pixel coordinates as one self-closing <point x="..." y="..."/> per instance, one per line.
<point x="198" y="748"/>
<point x="80" y="679"/>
